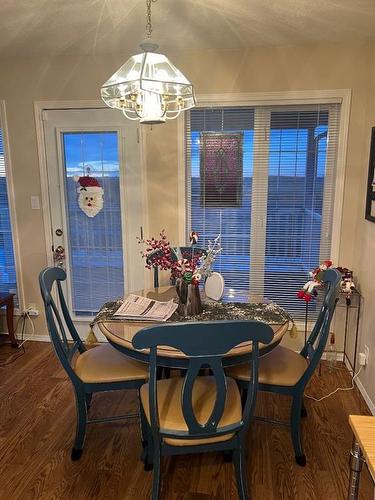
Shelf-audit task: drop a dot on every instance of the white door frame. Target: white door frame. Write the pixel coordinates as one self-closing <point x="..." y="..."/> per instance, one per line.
<point x="259" y="200"/>
<point x="39" y="107"/>
<point x="12" y="208"/>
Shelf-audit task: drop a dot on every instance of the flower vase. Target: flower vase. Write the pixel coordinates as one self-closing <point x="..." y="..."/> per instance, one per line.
<point x="189" y="299"/>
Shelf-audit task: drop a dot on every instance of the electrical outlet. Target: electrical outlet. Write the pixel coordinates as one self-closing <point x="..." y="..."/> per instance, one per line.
<point x="362" y="359"/>
<point x="367" y="353"/>
<point x="32" y="311"/>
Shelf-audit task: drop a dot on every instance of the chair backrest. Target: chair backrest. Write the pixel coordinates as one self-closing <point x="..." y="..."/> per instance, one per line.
<point x="177" y="253"/>
<point x="59" y="324"/>
<point x="205" y="344"/>
<point x="314" y="347"/>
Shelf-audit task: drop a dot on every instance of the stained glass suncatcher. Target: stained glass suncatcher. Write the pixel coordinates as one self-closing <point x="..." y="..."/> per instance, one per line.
<point x="221" y="169"/>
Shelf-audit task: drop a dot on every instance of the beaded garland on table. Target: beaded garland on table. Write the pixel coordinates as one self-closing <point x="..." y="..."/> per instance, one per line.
<point x="272" y="314"/>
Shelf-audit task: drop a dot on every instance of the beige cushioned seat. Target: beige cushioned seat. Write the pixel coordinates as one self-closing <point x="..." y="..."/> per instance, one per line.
<point x="104" y="363"/>
<point x="281" y="366"/>
<point x="204" y="395"/>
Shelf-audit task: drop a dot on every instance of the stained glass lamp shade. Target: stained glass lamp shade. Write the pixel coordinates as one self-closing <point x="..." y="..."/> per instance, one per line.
<point x="149" y="88"/>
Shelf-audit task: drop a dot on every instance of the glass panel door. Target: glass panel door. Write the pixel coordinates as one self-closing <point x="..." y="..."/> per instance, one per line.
<point x="296" y="186"/>
<point x="265" y="179"/>
<point x="95" y="193"/>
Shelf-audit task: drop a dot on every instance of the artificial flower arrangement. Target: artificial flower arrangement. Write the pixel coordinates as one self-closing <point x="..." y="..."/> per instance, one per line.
<point x="190" y="266"/>
<point x="187" y="266"/>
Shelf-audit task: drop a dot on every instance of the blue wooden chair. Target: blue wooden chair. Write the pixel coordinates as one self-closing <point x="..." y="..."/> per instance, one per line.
<point x="101" y="368"/>
<point x="286" y="372"/>
<point x="186" y="253"/>
<point x="196" y="414"/>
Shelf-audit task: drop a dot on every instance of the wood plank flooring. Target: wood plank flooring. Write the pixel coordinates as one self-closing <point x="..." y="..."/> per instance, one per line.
<point x="37" y="421"/>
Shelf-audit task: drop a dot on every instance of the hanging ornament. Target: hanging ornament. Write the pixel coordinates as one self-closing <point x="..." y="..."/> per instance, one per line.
<point x="90" y="195"/>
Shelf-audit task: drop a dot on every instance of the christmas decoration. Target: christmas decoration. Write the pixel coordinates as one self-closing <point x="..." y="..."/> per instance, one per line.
<point x="190" y="266"/>
<point x="347" y="283"/>
<point x="90" y="195"/>
<point x="317" y="274"/>
<point x="269" y="313"/>
<point x="207" y="261"/>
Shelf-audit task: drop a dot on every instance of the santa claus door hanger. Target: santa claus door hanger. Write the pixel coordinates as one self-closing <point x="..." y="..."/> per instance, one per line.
<point x="90" y="195"/>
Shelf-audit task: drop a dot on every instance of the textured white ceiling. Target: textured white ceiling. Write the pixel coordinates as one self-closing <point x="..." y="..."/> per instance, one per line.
<point x="52" y="27"/>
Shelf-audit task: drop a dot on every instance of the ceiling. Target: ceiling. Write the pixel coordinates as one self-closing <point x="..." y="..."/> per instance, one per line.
<point x="56" y="27"/>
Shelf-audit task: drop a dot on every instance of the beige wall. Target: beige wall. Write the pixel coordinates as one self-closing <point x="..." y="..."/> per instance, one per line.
<point x="261" y="69"/>
<point x="364" y="251"/>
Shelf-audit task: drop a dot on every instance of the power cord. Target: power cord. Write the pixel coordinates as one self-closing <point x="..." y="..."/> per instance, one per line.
<point x="15" y="355"/>
<point x="26" y="315"/>
<point x="336" y="390"/>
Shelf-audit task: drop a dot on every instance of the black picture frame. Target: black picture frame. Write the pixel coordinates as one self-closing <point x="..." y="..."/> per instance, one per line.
<point x="370" y="197"/>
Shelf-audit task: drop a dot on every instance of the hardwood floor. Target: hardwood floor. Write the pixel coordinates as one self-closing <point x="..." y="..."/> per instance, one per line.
<point x="37" y="417"/>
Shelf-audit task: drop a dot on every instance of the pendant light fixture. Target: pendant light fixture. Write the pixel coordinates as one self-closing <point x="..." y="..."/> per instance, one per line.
<point x="148" y="87"/>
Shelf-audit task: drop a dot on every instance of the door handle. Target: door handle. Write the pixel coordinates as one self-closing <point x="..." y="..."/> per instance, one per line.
<point x="59" y="256"/>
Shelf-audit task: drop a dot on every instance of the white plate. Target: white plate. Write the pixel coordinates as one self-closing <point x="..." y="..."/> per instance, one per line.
<point x="214" y="286"/>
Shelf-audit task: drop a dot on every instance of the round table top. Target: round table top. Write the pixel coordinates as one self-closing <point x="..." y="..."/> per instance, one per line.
<point x="120" y="333"/>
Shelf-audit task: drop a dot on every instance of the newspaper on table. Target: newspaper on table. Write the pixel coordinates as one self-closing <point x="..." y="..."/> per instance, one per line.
<point x="144" y="309"/>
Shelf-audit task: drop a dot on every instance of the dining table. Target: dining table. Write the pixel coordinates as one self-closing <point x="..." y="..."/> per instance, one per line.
<point x="120" y="331"/>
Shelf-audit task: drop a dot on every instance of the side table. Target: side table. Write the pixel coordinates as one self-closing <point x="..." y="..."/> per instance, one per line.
<point x="363" y="450"/>
<point x="353" y="305"/>
<point x="6" y="299"/>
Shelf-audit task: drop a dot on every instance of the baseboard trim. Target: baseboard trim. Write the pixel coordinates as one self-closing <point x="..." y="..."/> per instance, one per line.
<point x="339" y="356"/>
<point x="365" y="396"/>
<point x="362" y="390"/>
<point x="36" y="338"/>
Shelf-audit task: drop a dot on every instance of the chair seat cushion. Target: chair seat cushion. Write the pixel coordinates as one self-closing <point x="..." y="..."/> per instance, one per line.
<point x="204" y="395"/>
<point x="104" y="363"/>
<point x="281" y="366"/>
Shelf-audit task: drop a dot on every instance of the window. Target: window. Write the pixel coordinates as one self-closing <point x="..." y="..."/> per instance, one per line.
<point x="8" y="282"/>
<point x="232" y="221"/>
<point x="263" y="178"/>
<point x="95" y="244"/>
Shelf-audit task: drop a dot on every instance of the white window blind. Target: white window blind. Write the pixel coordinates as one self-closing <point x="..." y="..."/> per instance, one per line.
<point x="95" y="243"/>
<point x="8" y="282"/>
<point x="264" y="179"/>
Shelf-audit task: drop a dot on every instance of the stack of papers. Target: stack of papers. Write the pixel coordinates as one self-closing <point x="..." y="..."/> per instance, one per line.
<point x="139" y="308"/>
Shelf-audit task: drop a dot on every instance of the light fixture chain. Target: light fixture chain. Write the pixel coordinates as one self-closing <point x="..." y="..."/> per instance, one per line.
<point x="148" y="18"/>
